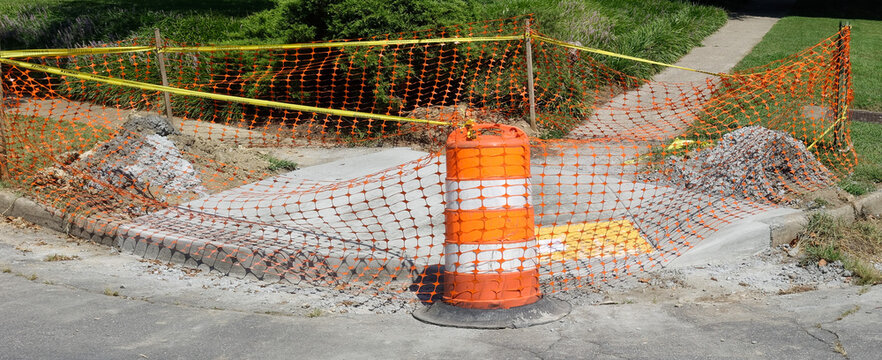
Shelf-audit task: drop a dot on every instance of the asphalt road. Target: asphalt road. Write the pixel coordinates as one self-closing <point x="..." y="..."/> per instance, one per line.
<point x="43" y="321"/>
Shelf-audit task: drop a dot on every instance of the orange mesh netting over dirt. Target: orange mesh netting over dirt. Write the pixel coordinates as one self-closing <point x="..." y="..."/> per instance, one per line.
<point x="621" y="175"/>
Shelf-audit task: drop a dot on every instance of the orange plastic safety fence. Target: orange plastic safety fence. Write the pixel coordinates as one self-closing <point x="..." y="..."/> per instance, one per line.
<point x="622" y="175"/>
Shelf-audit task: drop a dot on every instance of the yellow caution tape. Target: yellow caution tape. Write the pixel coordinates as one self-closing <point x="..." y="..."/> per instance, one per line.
<point x="7" y="54"/>
<point x="677" y="144"/>
<point x="839" y="120"/>
<point x="609" y="53"/>
<point x="339" y="44"/>
<point x="212" y="96"/>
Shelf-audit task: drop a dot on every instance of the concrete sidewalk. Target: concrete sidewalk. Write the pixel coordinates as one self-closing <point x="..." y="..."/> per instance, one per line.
<point x="383" y="214"/>
<point x="664" y="107"/>
<point x="722" y="50"/>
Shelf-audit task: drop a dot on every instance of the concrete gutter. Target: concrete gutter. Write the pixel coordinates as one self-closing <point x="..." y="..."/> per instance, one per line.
<point x="741" y="239"/>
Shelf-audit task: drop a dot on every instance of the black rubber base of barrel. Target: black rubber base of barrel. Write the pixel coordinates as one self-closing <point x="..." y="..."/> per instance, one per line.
<point x="541" y="312"/>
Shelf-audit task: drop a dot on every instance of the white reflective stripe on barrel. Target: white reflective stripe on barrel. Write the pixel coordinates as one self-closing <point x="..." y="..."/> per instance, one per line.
<point x="488" y="194"/>
<point x="490" y="258"/>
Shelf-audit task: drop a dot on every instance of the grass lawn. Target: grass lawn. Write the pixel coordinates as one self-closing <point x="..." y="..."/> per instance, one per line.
<point x="794" y="33"/>
<point x="868" y="172"/>
<point x="813" y="21"/>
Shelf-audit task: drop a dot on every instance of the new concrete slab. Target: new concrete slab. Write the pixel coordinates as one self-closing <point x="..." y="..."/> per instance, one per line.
<point x="382" y="213"/>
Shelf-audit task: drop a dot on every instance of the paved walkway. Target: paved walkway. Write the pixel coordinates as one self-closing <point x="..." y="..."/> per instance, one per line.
<point x="661" y="109"/>
<point x="722" y="50"/>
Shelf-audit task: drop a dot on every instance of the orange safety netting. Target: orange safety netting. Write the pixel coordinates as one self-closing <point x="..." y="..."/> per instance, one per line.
<point x="621" y="174"/>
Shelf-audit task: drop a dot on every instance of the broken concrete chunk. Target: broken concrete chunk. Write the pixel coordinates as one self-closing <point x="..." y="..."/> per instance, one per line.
<point x="149" y="123"/>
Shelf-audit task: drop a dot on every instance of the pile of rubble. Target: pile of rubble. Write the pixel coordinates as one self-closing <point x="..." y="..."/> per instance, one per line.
<point x="749" y="163"/>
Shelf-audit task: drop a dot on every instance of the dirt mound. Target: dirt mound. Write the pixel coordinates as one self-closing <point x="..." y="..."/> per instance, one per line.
<point x="751" y="162"/>
<point x="153" y="162"/>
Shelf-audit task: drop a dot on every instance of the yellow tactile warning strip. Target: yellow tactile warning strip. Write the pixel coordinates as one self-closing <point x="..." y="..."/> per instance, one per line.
<point x="591" y="240"/>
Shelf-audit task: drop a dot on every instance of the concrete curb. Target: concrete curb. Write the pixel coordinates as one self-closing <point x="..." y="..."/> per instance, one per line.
<point x="15" y="205"/>
<point x="785" y="228"/>
<point x="231" y="260"/>
<point x="782" y="229"/>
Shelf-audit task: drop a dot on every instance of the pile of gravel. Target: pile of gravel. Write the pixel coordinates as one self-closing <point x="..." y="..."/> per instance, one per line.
<point x="751" y="162"/>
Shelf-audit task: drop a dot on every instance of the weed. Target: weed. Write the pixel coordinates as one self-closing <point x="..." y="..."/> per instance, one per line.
<point x="551" y="133"/>
<point x="276" y="164"/>
<point x="7" y="270"/>
<point x="362" y="137"/>
<point x="855" y="187"/>
<point x="840" y="349"/>
<point x="31" y="277"/>
<point x="849" y="312"/>
<point x="866" y="273"/>
<point x="59" y="257"/>
<point x="796" y="289"/>
<point x="819" y="203"/>
<point x="856" y="245"/>
<point x="864" y="289"/>
<point x="110" y="292"/>
<point x="314" y="313"/>
<point x="47" y="282"/>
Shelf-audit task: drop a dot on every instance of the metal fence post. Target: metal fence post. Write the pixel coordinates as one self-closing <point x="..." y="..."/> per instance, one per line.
<point x="161" y="58"/>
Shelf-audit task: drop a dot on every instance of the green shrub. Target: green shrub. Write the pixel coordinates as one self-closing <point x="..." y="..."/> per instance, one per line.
<point x="364" y="18"/>
<point x="288" y="21"/>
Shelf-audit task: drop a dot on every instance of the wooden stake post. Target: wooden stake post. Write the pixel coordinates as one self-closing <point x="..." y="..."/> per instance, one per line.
<point x="839" y="109"/>
<point x="4" y="158"/>
<point x="530" y="85"/>
<point x="161" y="57"/>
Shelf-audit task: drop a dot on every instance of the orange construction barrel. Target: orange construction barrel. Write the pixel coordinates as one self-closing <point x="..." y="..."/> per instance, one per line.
<point x="491" y="263"/>
<point x="490" y="248"/>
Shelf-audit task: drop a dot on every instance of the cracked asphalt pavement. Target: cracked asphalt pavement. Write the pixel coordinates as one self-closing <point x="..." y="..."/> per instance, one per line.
<point x="104" y="304"/>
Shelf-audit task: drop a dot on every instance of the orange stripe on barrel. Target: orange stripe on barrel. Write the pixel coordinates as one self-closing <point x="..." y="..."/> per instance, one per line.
<point x="492" y="291"/>
<point x="487" y="163"/>
<point x="483" y="226"/>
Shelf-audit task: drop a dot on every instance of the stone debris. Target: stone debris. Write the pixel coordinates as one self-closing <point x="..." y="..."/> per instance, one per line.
<point x="143" y="157"/>
<point x="752" y="162"/>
